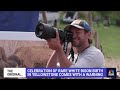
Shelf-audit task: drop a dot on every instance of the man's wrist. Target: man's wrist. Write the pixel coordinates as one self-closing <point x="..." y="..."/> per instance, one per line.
<point x="59" y="49"/>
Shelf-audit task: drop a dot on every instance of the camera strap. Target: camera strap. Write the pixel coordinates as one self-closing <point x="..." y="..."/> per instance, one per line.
<point x="72" y="54"/>
<point x="81" y="52"/>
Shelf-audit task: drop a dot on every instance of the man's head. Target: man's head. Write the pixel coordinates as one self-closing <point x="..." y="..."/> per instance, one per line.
<point x="81" y="32"/>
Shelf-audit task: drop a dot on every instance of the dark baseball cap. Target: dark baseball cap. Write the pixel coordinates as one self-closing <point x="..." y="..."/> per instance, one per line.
<point x="81" y="24"/>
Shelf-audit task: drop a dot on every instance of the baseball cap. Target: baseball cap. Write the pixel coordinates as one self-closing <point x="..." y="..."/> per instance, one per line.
<point x="81" y="24"/>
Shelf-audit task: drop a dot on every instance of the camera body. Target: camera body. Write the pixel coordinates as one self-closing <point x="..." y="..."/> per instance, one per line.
<point x="45" y="31"/>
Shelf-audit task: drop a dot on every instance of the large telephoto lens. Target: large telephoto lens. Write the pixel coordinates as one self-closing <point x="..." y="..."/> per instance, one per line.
<point x="45" y="31"/>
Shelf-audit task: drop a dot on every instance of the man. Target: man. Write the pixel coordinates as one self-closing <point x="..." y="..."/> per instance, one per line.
<point x="88" y="56"/>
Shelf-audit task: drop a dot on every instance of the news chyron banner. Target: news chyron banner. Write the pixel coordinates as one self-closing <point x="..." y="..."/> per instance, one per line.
<point x="59" y="72"/>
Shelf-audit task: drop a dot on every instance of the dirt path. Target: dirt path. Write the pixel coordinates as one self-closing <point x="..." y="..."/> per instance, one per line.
<point x="112" y="62"/>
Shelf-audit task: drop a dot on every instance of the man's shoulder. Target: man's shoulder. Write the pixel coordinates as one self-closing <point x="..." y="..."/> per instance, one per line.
<point x="93" y="51"/>
<point x="94" y="48"/>
<point x="94" y="56"/>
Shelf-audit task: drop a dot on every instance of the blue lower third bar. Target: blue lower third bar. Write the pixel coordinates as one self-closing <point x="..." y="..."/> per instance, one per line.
<point x="69" y="72"/>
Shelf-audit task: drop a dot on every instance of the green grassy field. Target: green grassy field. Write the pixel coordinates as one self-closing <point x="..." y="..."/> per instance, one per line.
<point x="109" y="39"/>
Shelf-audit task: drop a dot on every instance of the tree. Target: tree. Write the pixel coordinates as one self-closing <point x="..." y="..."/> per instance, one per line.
<point x="88" y="16"/>
<point x="44" y="16"/>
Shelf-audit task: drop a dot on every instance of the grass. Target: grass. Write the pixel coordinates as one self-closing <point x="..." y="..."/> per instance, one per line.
<point x="109" y="39"/>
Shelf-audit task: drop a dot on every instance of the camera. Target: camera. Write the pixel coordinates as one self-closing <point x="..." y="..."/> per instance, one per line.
<point x="45" y="31"/>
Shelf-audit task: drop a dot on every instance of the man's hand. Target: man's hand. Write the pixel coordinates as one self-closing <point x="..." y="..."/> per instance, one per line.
<point x="54" y="43"/>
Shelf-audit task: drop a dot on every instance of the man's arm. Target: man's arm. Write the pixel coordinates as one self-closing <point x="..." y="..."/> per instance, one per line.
<point x="63" y="60"/>
<point x="59" y="54"/>
<point x="52" y="62"/>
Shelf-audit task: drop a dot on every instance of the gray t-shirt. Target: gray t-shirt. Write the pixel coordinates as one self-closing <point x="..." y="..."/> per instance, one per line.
<point x="89" y="58"/>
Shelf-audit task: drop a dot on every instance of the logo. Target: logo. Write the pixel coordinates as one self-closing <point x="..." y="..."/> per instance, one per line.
<point x="111" y="72"/>
<point x="14" y="72"/>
